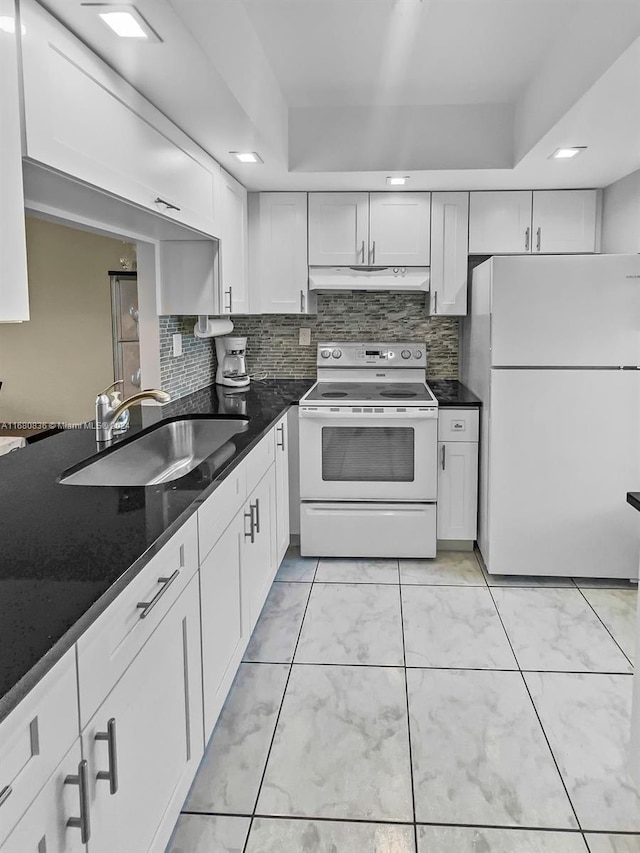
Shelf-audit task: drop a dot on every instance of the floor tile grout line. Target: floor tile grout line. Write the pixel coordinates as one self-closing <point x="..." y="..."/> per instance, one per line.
<point x="535" y="711"/>
<point x="406" y="696"/>
<point x="275" y="728"/>
<point x="606" y="627"/>
<point x="370" y="820"/>
<point x="443" y="668"/>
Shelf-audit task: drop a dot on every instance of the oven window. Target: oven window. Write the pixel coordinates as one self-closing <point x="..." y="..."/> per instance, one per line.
<point x="368" y="454"/>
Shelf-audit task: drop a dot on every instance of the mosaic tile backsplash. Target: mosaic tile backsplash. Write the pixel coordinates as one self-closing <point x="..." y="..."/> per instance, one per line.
<point x="273" y="347"/>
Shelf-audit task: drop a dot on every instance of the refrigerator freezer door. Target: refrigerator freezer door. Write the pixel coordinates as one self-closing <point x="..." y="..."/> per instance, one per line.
<point x="578" y="311"/>
<point x="563" y="448"/>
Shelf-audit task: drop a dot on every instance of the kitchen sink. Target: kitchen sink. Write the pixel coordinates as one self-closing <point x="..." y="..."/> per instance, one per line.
<point x="164" y="453"/>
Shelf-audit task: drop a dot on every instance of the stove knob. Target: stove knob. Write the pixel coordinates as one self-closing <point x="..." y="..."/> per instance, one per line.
<point x="405" y="353"/>
<point x="337" y="353"/>
<point x="417" y="353"/>
<point x="395" y="269"/>
<point x="326" y="353"/>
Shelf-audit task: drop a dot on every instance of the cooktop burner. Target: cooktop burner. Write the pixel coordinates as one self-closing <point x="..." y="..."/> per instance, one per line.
<point x="365" y="392"/>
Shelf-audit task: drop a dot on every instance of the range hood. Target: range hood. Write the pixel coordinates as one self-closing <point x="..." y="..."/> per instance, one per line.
<point x="401" y="279"/>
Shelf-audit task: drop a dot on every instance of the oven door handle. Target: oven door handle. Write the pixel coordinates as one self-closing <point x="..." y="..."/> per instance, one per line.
<point x="410" y="414"/>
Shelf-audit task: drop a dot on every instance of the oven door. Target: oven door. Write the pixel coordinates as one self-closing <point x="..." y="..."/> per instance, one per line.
<point x="368" y="456"/>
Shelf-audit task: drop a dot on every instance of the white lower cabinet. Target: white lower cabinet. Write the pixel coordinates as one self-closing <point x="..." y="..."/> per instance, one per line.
<point x="44" y="827"/>
<point x="144" y="743"/>
<point x="457" y="474"/>
<point x="259" y="547"/>
<point x="224" y="630"/>
<point x="282" y="488"/>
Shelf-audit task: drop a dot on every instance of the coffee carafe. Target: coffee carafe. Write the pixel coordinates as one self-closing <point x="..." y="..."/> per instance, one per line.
<point x="232" y="366"/>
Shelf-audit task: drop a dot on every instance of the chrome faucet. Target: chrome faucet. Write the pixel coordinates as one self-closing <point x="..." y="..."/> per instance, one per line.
<point x="107" y="415"/>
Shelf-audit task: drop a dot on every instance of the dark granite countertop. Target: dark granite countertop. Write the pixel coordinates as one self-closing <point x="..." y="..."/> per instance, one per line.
<point x="633" y="498"/>
<point x="67" y="551"/>
<point x="453" y="394"/>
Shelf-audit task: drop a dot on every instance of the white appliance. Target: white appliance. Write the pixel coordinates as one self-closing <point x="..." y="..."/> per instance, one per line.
<point x="552" y="348"/>
<point x="402" y="279"/>
<point x="368" y="453"/>
<point x="232" y="365"/>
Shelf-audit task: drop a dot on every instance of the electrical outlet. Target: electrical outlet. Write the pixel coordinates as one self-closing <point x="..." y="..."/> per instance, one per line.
<point x="305" y="338"/>
<point x="177" y="345"/>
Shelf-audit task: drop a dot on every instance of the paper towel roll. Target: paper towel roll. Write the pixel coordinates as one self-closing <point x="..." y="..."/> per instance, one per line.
<point x="214" y="327"/>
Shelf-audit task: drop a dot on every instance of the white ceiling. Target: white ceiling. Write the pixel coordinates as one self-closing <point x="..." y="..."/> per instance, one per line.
<point x="337" y="94"/>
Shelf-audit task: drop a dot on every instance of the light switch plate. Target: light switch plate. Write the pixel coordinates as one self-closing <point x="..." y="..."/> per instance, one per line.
<point x="304" y="337"/>
<point x="177" y="344"/>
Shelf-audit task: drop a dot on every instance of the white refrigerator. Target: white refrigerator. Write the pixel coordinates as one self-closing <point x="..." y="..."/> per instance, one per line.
<point x="551" y="346"/>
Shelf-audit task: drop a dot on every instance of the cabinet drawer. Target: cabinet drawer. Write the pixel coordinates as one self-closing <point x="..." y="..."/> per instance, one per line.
<point x="112" y="642"/>
<point x="259" y="460"/>
<point x="35" y="737"/>
<point x="217" y="511"/>
<point x="458" y="425"/>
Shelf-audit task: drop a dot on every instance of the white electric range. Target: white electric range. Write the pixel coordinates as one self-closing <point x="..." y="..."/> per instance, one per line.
<point x="368" y="453"/>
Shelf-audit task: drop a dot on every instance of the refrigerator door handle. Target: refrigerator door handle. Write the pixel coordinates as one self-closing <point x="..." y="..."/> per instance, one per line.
<point x="527" y="238"/>
<point x="538" y="239"/>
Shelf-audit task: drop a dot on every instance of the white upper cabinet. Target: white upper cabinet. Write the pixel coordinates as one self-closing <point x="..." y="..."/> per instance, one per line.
<point x="360" y="229"/>
<point x="278" y="272"/>
<point x="545" y="222"/>
<point x="399" y="233"/>
<point x="449" y="245"/>
<point x="14" y="292"/>
<point x="338" y="229"/>
<point x="564" y="221"/>
<point x="189" y="277"/>
<point x="500" y="222"/>
<point x="234" y="254"/>
<point x="85" y="121"/>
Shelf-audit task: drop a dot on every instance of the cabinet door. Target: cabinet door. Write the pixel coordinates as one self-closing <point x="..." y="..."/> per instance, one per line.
<point x="84" y="120"/>
<point x="157" y="709"/>
<point x="258" y="565"/>
<point x="282" y="488"/>
<point x="449" y="245"/>
<point x="338" y="229"/>
<point x="234" y="284"/>
<point x="399" y="229"/>
<point x="279" y="272"/>
<point x="43" y="828"/>
<point x="500" y="223"/>
<point x="564" y="221"/>
<point x="224" y="637"/>
<point x="189" y="277"/>
<point x="14" y="291"/>
<point x="457" y="490"/>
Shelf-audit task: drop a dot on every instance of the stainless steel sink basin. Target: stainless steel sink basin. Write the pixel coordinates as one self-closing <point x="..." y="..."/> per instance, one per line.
<point x="165" y="453"/>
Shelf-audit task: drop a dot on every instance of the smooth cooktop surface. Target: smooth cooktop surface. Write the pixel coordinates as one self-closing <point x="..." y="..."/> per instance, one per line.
<point x="375" y="392"/>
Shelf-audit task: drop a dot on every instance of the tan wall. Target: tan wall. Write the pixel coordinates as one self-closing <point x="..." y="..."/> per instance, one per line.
<point x="53" y="366"/>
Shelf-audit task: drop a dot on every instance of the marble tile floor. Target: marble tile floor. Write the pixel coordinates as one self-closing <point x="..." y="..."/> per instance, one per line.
<point x="422" y="706"/>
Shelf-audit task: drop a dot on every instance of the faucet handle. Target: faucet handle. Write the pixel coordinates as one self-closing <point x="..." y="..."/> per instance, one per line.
<point x="113" y="385"/>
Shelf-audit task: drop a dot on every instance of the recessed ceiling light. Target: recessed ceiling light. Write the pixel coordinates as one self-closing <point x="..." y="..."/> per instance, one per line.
<point x="125" y="21"/>
<point x="8" y="24"/>
<point x="397" y="182"/>
<point x="567" y="153"/>
<point x="247" y="156"/>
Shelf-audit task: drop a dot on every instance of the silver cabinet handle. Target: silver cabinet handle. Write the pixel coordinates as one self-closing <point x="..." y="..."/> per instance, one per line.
<point x="5" y="793"/>
<point x="435" y="301"/>
<point x="147" y="606"/>
<point x="302" y="300"/>
<point x="280" y="429"/>
<point x="167" y="204"/>
<point x="373" y="248"/>
<point x="83" y="823"/>
<point x="444" y="457"/>
<point x="538" y="239"/>
<point x="251" y="535"/>
<point x="110" y="775"/>
<point x="230" y="292"/>
<point x="527" y="238"/>
<point x="257" y="507"/>
<point x="363" y="251"/>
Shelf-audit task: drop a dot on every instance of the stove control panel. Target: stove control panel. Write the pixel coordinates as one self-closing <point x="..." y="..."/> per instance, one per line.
<point x="390" y="355"/>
